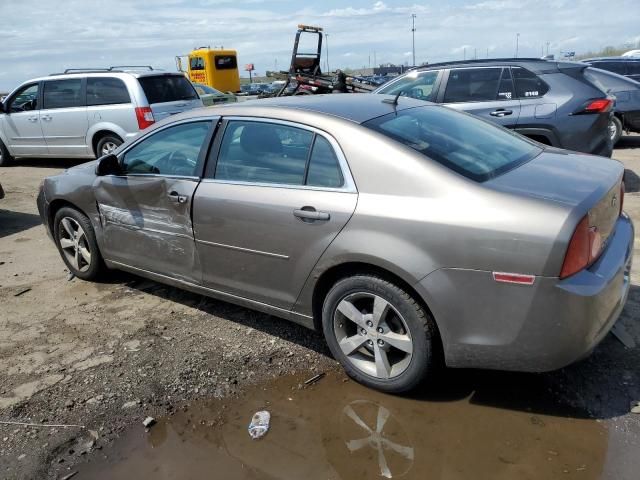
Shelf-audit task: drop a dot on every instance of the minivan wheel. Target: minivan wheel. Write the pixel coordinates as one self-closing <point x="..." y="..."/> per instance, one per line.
<point x="107" y="145"/>
<point x="5" y="158"/>
<point x="76" y="242"/>
<point x="615" y="129"/>
<point x="382" y="337"/>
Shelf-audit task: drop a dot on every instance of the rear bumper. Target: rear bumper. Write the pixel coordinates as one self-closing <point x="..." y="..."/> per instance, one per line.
<point x="536" y="328"/>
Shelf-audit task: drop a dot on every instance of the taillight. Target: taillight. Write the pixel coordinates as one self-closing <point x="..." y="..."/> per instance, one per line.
<point x="599" y="105"/>
<point x="584" y="248"/>
<point x="145" y="117"/>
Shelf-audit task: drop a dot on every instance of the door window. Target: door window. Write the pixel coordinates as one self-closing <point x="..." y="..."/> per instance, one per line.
<point x="528" y="84"/>
<point x="505" y="90"/>
<point x="173" y="151"/>
<point x="25" y="100"/>
<point x="472" y="85"/>
<point x="263" y="153"/>
<point x="63" y="94"/>
<point x="324" y="169"/>
<point x="106" y="91"/>
<point x="418" y="85"/>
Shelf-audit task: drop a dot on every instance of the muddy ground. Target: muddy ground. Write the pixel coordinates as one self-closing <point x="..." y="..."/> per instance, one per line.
<point x="102" y="357"/>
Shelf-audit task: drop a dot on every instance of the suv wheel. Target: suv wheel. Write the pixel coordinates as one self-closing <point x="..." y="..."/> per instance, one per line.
<point x="382" y="337"/>
<point x="107" y="145"/>
<point x="76" y="242"/>
<point x="5" y="157"/>
<point x="615" y="129"/>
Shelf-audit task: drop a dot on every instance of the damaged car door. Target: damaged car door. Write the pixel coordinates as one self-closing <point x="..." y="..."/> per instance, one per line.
<point x="146" y="209"/>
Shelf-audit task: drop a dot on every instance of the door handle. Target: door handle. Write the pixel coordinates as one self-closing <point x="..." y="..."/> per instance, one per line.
<point x="309" y="214"/>
<point x="46" y="117"/>
<point x="176" y="197"/>
<point x="501" y="112"/>
<point x="32" y="119"/>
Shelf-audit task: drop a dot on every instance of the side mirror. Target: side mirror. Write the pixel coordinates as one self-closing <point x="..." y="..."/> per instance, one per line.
<point x="108" y="165"/>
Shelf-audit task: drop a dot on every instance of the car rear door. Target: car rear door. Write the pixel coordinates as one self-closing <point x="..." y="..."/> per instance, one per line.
<point x="64" y="117"/>
<point x="146" y="211"/>
<point x="22" y="122"/>
<point x="169" y="94"/>
<point x="487" y="92"/>
<point x="274" y="197"/>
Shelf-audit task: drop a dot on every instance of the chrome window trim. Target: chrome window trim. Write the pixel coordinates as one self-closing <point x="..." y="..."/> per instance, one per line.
<point x="349" y="185"/>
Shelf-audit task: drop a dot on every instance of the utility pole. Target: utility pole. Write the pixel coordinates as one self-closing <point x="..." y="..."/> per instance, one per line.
<point x="548" y="48"/>
<point x="374" y="59"/>
<point x="487" y="53"/>
<point x="517" y="43"/>
<point x="475" y="53"/>
<point x="464" y="53"/>
<point x="413" y="37"/>
<point x="326" y="36"/>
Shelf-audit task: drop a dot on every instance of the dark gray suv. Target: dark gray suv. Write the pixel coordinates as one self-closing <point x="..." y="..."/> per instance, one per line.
<point x="550" y="102"/>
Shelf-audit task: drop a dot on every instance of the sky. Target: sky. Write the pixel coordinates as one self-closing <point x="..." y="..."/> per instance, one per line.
<point x="43" y="36"/>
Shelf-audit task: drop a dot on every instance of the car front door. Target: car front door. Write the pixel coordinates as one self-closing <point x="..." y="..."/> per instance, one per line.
<point x="487" y="92"/>
<point x="22" y="122"/>
<point x="64" y="117"/>
<point x="272" y="200"/>
<point x="146" y="211"/>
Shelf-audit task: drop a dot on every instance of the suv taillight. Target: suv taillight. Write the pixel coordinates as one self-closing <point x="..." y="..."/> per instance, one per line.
<point x="599" y="105"/>
<point x="584" y="248"/>
<point x="145" y="117"/>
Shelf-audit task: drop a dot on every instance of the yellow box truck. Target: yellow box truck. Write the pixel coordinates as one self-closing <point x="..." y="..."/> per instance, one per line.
<point x="216" y="67"/>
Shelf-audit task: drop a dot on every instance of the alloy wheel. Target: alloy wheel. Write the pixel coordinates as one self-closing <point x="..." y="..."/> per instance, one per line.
<point x="373" y="335"/>
<point x="613" y="130"/>
<point x="74" y="244"/>
<point x="108" y="147"/>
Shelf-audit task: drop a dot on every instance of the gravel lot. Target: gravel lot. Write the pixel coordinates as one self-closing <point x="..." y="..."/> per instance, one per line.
<point x="104" y="356"/>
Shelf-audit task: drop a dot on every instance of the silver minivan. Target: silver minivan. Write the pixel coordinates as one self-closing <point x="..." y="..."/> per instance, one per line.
<point x="88" y="113"/>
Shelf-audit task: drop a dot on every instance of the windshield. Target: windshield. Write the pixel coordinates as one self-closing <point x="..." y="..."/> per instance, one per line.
<point x="167" y="88"/>
<point x="472" y="147"/>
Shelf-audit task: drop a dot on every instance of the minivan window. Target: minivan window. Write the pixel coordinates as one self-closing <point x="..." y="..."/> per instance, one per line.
<point x="173" y="151"/>
<point x="261" y="152"/>
<point x="418" y="85"/>
<point x="528" y="84"/>
<point x="472" y="85"/>
<point x="167" y="88"/>
<point x="25" y="100"/>
<point x="463" y="143"/>
<point x="62" y="93"/>
<point x="106" y="91"/>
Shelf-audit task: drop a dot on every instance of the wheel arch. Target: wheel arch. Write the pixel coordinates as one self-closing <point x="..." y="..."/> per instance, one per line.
<point x="337" y="272"/>
<point x="54" y="208"/>
<point x="99" y="135"/>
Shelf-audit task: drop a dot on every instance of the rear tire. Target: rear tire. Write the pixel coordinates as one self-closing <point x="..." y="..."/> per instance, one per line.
<point x="107" y="145"/>
<point x="5" y="157"/>
<point x="76" y="241"/>
<point x="383" y="338"/>
<point x="615" y="129"/>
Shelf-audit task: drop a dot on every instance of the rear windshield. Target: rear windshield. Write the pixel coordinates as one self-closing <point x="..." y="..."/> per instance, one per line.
<point x="167" y="88"/>
<point x="467" y="145"/>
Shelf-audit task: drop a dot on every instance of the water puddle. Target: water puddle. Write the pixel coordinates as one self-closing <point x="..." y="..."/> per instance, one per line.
<point x="337" y="429"/>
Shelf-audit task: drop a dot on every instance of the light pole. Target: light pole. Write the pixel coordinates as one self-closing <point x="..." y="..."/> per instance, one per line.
<point x="326" y="36"/>
<point x="517" y="43"/>
<point x="413" y="37"/>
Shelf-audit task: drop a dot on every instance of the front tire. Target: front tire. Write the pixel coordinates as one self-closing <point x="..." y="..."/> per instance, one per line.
<point x="76" y="242"/>
<point x="383" y="338"/>
<point x="107" y="145"/>
<point x="615" y="129"/>
<point x="5" y="157"/>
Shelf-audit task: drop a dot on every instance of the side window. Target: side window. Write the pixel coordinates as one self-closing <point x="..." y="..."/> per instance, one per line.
<point x="472" y="85"/>
<point x="106" y="91"/>
<point x="633" y="68"/>
<point x="418" y="85"/>
<point x="196" y="63"/>
<point x="528" y="84"/>
<point x="505" y="90"/>
<point x="324" y="169"/>
<point x="615" y="67"/>
<point x="62" y="94"/>
<point x="263" y="153"/>
<point x="25" y="100"/>
<point x="172" y="151"/>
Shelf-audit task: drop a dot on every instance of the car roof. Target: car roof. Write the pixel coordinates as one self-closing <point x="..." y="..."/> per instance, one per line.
<point x="535" y="65"/>
<point x="107" y="73"/>
<point x="613" y="59"/>
<point x="357" y="108"/>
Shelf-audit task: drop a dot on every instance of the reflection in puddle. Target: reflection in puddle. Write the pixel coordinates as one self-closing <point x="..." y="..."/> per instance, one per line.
<point x="337" y="429"/>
